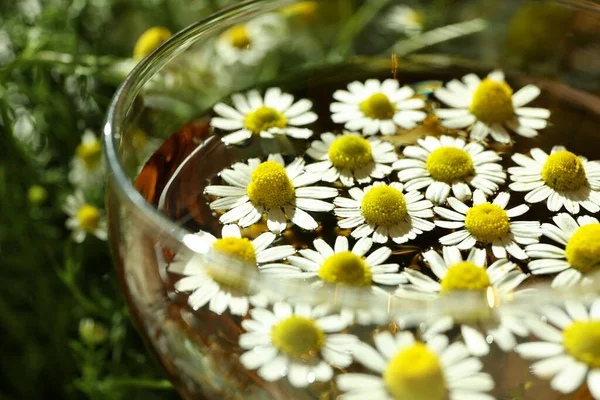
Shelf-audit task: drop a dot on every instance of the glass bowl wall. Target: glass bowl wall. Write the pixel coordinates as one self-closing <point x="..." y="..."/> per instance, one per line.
<point x="164" y="106"/>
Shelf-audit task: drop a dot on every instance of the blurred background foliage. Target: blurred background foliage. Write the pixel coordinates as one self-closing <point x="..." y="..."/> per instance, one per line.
<point x="64" y="328"/>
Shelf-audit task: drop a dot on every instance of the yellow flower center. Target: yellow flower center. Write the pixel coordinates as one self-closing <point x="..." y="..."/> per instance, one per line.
<point x="492" y="102"/>
<point x="139" y="139"/>
<point x="238" y="37"/>
<point x="264" y="118"/>
<point x="449" y="164"/>
<point x="350" y="152"/>
<point x="37" y="195"/>
<point x="384" y="205"/>
<point x="306" y="10"/>
<point x="465" y="276"/>
<point x="239" y="248"/>
<point x="487" y="222"/>
<point x="415" y="373"/>
<point x="90" y="154"/>
<point x="298" y="337"/>
<point x="378" y="106"/>
<point x="346" y="268"/>
<point x="89" y="217"/>
<point x="270" y="186"/>
<point x="563" y="171"/>
<point x="583" y="249"/>
<point x="150" y="40"/>
<point x="582" y="341"/>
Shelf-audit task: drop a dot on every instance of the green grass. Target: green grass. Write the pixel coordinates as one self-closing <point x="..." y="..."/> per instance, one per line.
<point x="53" y="86"/>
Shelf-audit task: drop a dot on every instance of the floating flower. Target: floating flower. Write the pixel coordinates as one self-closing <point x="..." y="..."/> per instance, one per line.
<point x="249" y="43"/>
<point x="561" y="179"/>
<point x="276" y="114"/>
<point x="403" y="19"/>
<point x="84" y="218"/>
<point x="488" y="223"/>
<point x="447" y="163"/>
<point x="375" y="106"/>
<point x="405" y="368"/>
<point x="350" y="157"/>
<point x="87" y="167"/>
<point x="296" y="342"/>
<point x="214" y="288"/>
<point x="577" y="254"/>
<point x="272" y="188"/>
<point x="150" y="40"/>
<point x="384" y="211"/>
<point x="569" y="355"/>
<point x="455" y="274"/>
<point x="487" y="106"/>
<point x="340" y="265"/>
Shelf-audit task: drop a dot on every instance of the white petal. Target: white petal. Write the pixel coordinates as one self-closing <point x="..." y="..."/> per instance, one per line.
<point x="475" y="341"/>
<point x="536" y="350"/>
<point x="301" y="218"/>
<point x="570" y="377"/>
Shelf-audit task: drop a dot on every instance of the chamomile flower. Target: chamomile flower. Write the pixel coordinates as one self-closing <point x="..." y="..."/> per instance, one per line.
<point x="375" y="106"/>
<point x="248" y="44"/>
<point x="489" y="106"/>
<point x="87" y="166"/>
<point x="577" y="253"/>
<point x="403" y="19"/>
<point x="569" y="350"/>
<point x="299" y="342"/>
<point x="405" y="368"/>
<point x="562" y="179"/>
<point x="282" y="192"/>
<point x="448" y="163"/>
<point x="488" y="223"/>
<point x="350" y="158"/>
<point x="342" y="265"/>
<point x="214" y="288"/>
<point x="384" y="211"/>
<point x="84" y="218"/>
<point x="275" y="114"/>
<point x="456" y="274"/>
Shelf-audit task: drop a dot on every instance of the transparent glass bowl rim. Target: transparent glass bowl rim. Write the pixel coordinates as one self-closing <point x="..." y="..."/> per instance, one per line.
<point x="464" y="303"/>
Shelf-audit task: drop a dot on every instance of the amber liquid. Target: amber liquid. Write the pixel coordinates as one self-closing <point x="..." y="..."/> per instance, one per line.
<point x="174" y="179"/>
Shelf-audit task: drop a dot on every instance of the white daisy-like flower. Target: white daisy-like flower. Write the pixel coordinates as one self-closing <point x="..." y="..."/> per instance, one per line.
<point x="375" y="106"/>
<point x="84" y="218"/>
<point x="403" y="19"/>
<point x="276" y="114"/>
<point x="249" y="43"/>
<point x="488" y="223"/>
<point x="455" y="274"/>
<point x="569" y="350"/>
<point x="282" y="192"/>
<point x="342" y="265"/>
<point x="299" y="343"/>
<point x="562" y="179"/>
<point x="350" y="158"/>
<point x="448" y="163"/>
<point x="405" y="368"/>
<point x="87" y="166"/>
<point x="577" y="253"/>
<point x="208" y="282"/>
<point x="384" y="211"/>
<point x="489" y="106"/>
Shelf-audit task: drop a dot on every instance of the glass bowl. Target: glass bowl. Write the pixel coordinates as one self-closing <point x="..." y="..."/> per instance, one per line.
<point x="365" y="200"/>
